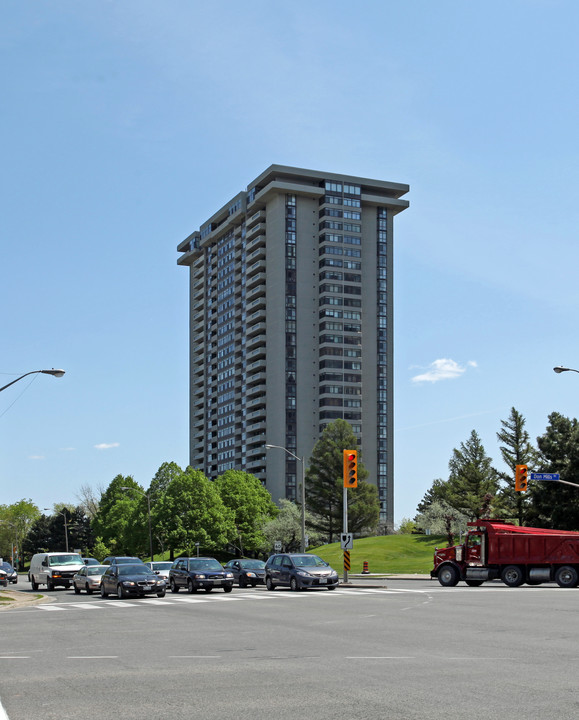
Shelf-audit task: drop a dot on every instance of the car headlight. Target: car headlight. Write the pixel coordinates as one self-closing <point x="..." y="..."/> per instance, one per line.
<point x="303" y="573"/>
<point x="228" y="575"/>
<point x="199" y="577"/>
<point x="127" y="582"/>
<point x="250" y="574"/>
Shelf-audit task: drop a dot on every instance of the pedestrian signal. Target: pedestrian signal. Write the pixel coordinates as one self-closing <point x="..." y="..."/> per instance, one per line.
<point x="521" y="478"/>
<point x="350" y="468"/>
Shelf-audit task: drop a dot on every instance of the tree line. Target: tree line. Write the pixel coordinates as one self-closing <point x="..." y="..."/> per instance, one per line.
<point x="233" y="513"/>
<point x="476" y="489"/>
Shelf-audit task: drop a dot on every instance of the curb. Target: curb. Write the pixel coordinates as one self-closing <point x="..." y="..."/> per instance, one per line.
<point x="21" y="599"/>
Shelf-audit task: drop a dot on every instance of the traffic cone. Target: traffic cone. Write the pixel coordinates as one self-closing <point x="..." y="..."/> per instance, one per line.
<point x="365" y="571"/>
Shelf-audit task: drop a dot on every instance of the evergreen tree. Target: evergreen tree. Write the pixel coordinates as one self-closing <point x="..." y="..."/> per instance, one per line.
<point x="472" y="479"/>
<point x="556" y="505"/>
<point x="324" y="485"/>
<point x="516" y="449"/>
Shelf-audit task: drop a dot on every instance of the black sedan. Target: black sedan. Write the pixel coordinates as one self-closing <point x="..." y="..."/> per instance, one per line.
<point x="131" y="581"/>
<point x="11" y="574"/>
<point x="201" y="573"/>
<point x="247" y="572"/>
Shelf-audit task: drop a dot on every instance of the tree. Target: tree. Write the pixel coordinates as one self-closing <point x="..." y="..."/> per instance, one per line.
<point x="191" y="511"/>
<point x="553" y="504"/>
<point x="15" y="523"/>
<point x="286" y="528"/>
<point x="516" y="449"/>
<point x="472" y="478"/>
<point x="251" y="507"/>
<point x="440" y="518"/>
<point x="324" y="484"/>
<point x="114" y="521"/>
<point x="89" y="500"/>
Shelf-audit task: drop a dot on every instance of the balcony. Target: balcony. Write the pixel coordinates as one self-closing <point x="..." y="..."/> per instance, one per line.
<point x="258" y="216"/>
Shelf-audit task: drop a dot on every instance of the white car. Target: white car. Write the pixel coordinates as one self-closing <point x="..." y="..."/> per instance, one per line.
<point x="88" y="578"/>
<point x="161" y="568"/>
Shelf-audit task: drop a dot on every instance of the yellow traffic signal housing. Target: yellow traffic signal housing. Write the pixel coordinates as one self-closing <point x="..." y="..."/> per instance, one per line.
<point x="350" y="468"/>
<point x="521" y="478"/>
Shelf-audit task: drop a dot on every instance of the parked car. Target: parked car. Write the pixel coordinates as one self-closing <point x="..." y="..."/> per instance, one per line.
<point x="122" y="560"/>
<point x="203" y="573"/>
<point x="247" y="571"/>
<point x="161" y="568"/>
<point x="11" y="573"/>
<point x="53" y="569"/>
<point x="90" y="561"/>
<point x="126" y="580"/>
<point x="88" y="578"/>
<point x="299" y="571"/>
<point x="3" y="579"/>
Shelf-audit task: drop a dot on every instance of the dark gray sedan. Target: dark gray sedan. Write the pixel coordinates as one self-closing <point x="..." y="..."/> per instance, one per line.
<point x="247" y="571"/>
<point x="131" y="581"/>
<point x="299" y="571"/>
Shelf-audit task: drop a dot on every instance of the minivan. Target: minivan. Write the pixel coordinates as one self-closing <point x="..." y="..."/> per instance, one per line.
<point x="53" y="569"/>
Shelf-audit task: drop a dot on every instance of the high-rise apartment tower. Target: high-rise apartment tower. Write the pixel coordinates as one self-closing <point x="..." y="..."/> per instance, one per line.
<point x="291" y="325"/>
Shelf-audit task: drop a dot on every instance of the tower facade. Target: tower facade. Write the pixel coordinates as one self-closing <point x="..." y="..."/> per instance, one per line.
<point x="291" y="326"/>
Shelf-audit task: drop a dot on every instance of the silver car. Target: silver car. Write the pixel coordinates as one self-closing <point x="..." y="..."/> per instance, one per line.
<point x="88" y="578"/>
<point x="161" y="568"/>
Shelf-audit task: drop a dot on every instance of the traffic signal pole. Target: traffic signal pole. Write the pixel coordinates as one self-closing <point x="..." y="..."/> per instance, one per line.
<point x="346" y="552"/>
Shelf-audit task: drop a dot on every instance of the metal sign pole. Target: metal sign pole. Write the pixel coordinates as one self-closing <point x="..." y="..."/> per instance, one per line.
<point x="346" y="568"/>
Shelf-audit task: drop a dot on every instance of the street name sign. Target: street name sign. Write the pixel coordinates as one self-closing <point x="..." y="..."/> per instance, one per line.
<point x="544" y="476"/>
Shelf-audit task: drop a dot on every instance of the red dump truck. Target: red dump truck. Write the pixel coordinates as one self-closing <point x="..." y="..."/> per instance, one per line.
<point x="495" y="549"/>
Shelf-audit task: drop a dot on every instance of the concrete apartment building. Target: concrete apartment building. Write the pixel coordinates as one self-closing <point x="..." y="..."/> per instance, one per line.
<point x="291" y="325"/>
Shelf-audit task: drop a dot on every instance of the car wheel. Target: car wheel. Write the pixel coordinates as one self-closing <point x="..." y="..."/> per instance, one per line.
<point x="242" y="582"/>
<point x="269" y="584"/>
<point x="49" y="584"/>
<point x="209" y="589"/>
<point x="332" y="587"/>
<point x="34" y="583"/>
<point x="566" y="577"/>
<point x="294" y="585"/>
<point x="76" y="590"/>
<point x="161" y="594"/>
<point x="120" y="592"/>
<point x="513" y="576"/>
<point x="227" y="588"/>
<point x="174" y="588"/>
<point x="253" y="584"/>
<point x="104" y="593"/>
<point x="448" y="576"/>
<point x="190" y="587"/>
<point x="88" y="590"/>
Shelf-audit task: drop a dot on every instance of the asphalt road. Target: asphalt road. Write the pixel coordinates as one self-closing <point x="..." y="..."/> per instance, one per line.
<point x="411" y="650"/>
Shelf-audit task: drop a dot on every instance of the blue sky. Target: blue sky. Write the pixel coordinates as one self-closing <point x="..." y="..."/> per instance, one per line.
<point x="126" y="124"/>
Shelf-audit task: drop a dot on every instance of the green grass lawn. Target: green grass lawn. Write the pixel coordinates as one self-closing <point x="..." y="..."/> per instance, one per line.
<point x="385" y="554"/>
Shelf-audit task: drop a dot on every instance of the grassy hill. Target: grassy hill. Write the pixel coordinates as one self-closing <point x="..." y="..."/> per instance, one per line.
<point x="385" y="554"/>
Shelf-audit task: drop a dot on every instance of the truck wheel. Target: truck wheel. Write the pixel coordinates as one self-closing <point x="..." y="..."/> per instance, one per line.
<point x="513" y="576"/>
<point x="448" y="576"/>
<point x="474" y="583"/>
<point x="566" y="577"/>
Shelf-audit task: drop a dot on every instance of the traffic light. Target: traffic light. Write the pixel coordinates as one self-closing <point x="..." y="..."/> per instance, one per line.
<point x="521" y="478"/>
<point x="350" y="468"/>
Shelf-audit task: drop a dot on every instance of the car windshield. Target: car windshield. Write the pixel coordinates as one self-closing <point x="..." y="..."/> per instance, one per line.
<point x="308" y="561"/>
<point x="204" y="564"/>
<point x="65" y="560"/>
<point x="95" y="569"/>
<point x="252" y="564"/>
<point x="134" y="570"/>
<point x="6" y="566"/>
<point x="126" y="561"/>
<point x="161" y="565"/>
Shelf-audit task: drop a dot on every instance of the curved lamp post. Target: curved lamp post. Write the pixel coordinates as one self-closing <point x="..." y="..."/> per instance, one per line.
<point x="56" y="373"/>
<point x="302" y="460"/>
<point x="149" y="512"/>
<point x="560" y="369"/>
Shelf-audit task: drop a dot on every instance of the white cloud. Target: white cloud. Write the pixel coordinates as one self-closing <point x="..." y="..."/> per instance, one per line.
<point x="36" y="457"/>
<point x="443" y="369"/>
<point x="106" y="446"/>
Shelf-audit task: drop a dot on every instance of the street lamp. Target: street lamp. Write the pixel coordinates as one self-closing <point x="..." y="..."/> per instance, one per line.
<point x="149" y="513"/>
<point x="302" y="460"/>
<point x="55" y="373"/>
<point x="560" y="369"/>
<point x="63" y="513"/>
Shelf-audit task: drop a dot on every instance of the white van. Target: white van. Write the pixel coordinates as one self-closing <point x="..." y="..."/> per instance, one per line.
<point x="54" y="569"/>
